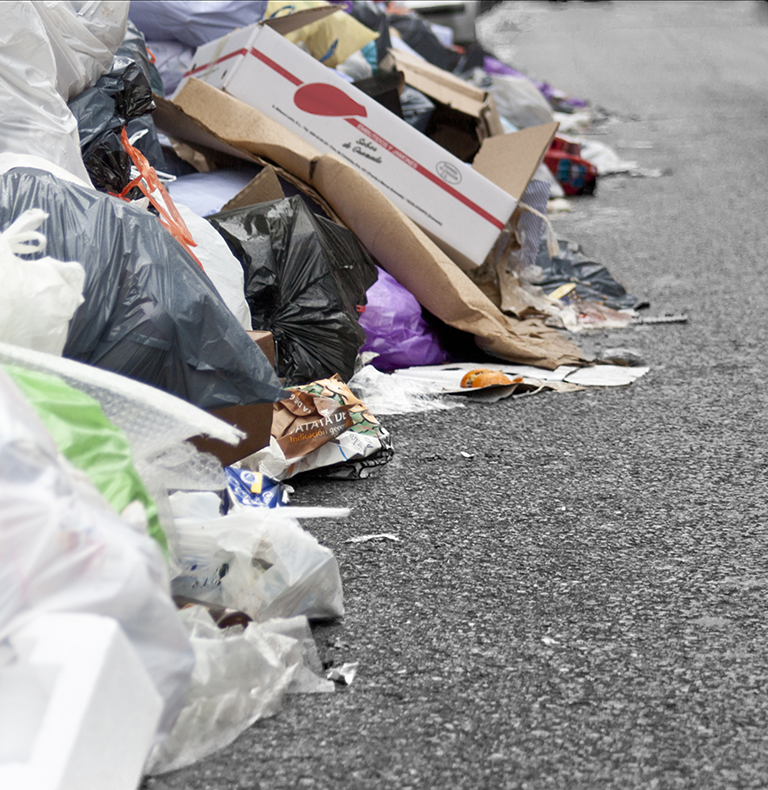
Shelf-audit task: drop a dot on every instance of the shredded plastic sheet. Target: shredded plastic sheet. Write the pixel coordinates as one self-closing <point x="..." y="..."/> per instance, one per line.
<point x="261" y="562"/>
<point x="63" y="548"/>
<point x="387" y="394"/>
<point x="239" y="676"/>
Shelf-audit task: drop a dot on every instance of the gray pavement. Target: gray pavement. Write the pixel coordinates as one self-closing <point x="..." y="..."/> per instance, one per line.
<point x="583" y="603"/>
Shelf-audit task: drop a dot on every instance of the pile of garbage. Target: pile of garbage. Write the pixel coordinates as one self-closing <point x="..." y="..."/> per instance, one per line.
<point x="233" y="235"/>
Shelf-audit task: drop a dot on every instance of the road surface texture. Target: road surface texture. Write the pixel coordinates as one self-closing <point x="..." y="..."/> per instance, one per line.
<point x="582" y="604"/>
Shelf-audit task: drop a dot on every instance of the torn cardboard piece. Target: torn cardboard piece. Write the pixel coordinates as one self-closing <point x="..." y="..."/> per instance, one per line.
<point x="395" y="241"/>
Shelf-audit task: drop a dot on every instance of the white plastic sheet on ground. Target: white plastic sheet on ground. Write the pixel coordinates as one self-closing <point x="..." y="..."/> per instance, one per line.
<point x="239" y="676"/>
<point x="64" y="549"/>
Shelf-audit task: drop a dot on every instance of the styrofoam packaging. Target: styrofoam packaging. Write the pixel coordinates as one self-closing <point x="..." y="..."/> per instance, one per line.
<point x="78" y="711"/>
<point x="461" y="209"/>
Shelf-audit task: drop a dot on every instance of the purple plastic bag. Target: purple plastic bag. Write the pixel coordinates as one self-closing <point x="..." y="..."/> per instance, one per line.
<point x="493" y="66"/>
<point x="395" y="328"/>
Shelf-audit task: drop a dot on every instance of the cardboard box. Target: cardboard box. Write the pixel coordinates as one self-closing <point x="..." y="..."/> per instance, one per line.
<point x="255" y="419"/>
<point x="464" y="116"/>
<point x="214" y="119"/>
<point x="460" y="209"/>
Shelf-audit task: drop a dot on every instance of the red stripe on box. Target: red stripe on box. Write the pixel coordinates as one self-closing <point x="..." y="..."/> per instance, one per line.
<point x="216" y="62"/>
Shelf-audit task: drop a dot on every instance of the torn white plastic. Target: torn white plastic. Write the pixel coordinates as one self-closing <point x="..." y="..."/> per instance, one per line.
<point x="239" y="676"/>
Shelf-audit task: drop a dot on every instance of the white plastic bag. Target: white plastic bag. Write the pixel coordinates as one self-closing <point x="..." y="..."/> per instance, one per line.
<point x="517" y="98"/>
<point x="221" y="266"/>
<point x="261" y="562"/>
<point x="35" y="118"/>
<point x="84" y="37"/>
<point x="63" y="549"/>
<point x="38" y="297"/>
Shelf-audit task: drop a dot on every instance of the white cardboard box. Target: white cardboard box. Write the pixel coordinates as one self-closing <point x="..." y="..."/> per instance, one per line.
<point x="462" y="210"/>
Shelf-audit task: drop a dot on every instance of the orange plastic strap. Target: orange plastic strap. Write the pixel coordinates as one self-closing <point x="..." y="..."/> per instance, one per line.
<point x="148" y="182"/>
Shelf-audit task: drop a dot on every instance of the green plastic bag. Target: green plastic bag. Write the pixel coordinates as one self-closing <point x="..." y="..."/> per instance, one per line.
<point x="89" y="441"/>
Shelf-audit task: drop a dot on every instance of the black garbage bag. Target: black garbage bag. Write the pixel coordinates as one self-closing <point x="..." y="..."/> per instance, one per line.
<point x="304" y="280"/>
<point x="101" y="112"/>
<point x="374" y="17"/>
<point x="149" y="312"/>
<point x="418" y="35"/>
<point x="594" y="283"/>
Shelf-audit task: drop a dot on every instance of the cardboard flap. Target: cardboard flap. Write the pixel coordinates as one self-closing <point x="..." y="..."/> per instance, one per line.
<point x="289" y="22"/>
<point x="439" y="84"/>
<point x="510" y="160"/>
<point x="260" y="189"/>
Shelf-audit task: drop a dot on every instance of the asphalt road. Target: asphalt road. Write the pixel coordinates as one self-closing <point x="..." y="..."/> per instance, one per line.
<point x="583" y="603"/>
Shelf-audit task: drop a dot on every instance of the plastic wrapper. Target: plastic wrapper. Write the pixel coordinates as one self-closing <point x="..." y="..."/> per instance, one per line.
<point x="261" y="562"/>
<point x="304" y="280"/>
<point x="331" y="40"/>
<point x="395" y="329"/>
<point x="593" y="281"/>
<point x="240" y="676"/>
<point x="64" y="549"/>
<point x="89" y="441"/>
<point x="193" y="22"/>
<point x="252" y="489"/>
<point x="39" y="297"/>
<point x="149" y="312"/>
<point x="323" y="429"/>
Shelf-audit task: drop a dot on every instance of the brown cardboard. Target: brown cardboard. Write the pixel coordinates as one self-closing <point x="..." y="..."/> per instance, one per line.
<point x="508" y="159"/>
<point x="395" y="241"/>
<point x="255" y="420"/>
<point x="261" y="188"/>
<point x="179" y="126"/>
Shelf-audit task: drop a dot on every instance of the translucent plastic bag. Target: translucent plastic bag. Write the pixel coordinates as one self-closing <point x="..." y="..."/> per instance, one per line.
<point x="38" y="298"/>
<point x="240" y="676"/>
<point x="261" y="562"/>
<point x="35" y="118"/>
<point x="64" y="549"/>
